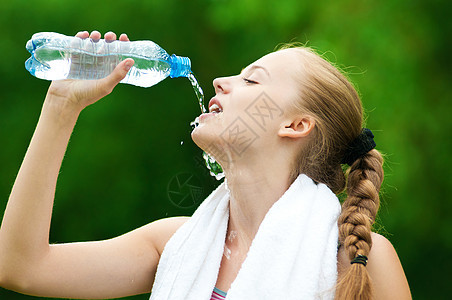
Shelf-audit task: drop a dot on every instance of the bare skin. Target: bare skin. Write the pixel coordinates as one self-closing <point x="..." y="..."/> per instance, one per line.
<point x="126" y="265"/>
<point x="250" y="179"/>
<point x="28" y="264"/>
<point x="384" y="267"/>
<point x="385" y="270"/>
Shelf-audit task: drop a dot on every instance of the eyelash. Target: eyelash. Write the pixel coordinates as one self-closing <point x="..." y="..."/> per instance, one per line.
<point x="248" y="81"/>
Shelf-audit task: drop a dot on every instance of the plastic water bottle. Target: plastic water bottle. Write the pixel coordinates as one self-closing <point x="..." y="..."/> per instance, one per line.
<point x="55" y="56"/>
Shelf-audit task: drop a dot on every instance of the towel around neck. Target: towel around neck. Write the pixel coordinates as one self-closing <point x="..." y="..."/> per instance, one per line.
<point x="293" y="255"/>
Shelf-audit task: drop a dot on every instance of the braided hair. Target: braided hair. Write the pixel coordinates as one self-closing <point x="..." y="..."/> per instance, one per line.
<point x="326" y="95"/>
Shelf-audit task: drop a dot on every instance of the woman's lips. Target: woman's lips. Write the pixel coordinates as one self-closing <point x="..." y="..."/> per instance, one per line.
<point x="215" y="101"/>
<point x="207" y="115"/>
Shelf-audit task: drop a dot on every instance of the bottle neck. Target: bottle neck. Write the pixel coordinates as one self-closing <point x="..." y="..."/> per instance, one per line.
<point x="180" y="66"/>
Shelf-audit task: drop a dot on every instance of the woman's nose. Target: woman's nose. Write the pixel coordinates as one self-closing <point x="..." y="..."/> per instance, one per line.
<point x="221" y="85"/>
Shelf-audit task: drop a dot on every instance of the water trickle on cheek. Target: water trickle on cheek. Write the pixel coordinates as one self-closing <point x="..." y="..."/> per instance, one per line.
<point x="214" y="168"/>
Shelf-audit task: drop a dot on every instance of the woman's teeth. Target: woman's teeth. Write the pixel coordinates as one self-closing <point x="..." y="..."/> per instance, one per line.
<point x="215" y="108"/>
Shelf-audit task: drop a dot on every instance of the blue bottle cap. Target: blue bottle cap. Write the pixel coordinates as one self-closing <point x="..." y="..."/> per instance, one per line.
<point x="180" y="66"/>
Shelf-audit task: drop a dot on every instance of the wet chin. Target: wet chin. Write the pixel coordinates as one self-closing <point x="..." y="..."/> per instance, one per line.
<point x="203" y="137"/>
<point x="211" y="142"/>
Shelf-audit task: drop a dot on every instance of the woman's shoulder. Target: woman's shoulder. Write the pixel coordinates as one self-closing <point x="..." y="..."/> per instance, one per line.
<point x="384" y="267"/>
<point x="382" y="256"/>
<point x="381" y="249"/>
<point x="159" y="232"/>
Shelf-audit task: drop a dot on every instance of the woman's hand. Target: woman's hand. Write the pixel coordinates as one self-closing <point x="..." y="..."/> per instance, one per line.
<point x="75" y="95"/>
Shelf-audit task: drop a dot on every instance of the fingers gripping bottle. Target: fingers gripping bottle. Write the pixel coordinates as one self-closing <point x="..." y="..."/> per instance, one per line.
<point x="55" y="56"/>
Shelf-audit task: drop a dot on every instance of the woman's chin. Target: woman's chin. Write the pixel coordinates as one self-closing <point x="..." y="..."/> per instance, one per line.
<point x="202" y="137"/>
<point x="196" y="137"/>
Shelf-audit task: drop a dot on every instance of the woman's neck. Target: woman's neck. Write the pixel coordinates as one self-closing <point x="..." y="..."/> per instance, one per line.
<point x="253" y="192"/>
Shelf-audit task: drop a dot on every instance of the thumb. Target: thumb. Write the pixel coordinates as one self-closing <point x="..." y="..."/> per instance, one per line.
<point x="118" y="74"/>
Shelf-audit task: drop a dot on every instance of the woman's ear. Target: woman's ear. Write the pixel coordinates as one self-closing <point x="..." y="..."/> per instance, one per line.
<point x="297" y="128"/>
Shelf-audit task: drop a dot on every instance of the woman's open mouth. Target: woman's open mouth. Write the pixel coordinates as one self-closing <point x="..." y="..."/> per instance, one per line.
<point x="214" y="108"/>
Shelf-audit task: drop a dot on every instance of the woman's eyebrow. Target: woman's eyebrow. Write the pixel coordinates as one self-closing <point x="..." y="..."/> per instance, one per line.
<point x="253" y="67"/>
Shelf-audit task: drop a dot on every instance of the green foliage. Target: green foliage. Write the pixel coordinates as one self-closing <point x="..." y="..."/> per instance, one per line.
<point x="126" y="149"/>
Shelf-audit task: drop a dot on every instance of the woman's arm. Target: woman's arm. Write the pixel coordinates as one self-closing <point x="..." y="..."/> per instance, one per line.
<point x="385" y="270"/>
<point x="28" y="264"/>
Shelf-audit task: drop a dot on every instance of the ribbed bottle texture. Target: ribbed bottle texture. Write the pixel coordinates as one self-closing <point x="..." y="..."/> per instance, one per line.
<point x="55" y="56"/>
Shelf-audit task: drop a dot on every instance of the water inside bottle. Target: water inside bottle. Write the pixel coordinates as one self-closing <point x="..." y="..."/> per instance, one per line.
<point x="85" y="59"/>
<point x="211" y="164"/>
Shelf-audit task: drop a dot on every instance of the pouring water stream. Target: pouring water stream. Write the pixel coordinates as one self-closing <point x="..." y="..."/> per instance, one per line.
<point x="211" y="164"/>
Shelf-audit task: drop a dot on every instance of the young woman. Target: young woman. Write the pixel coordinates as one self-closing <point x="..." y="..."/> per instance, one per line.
<point x="289" y="113"/>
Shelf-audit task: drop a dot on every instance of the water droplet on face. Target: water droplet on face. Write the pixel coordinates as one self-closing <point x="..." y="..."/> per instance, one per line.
<point x="195" y="123"/>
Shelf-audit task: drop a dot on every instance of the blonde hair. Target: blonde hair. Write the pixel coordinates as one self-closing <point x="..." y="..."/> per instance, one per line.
<point x="326" y="95"/>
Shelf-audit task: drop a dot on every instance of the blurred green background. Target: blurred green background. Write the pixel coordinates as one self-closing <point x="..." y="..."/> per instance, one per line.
<point x="128" y="150"/>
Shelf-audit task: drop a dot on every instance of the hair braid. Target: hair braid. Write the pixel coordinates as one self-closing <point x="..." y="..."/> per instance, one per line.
<point x="355" y="222"/>
<point x="331" y="99"/>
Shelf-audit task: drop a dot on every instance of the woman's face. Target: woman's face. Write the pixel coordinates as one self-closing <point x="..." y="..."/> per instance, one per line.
<point x="248" y="109"/>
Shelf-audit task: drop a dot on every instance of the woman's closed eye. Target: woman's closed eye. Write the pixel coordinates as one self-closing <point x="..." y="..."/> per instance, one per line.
<point x="249" y="81"/>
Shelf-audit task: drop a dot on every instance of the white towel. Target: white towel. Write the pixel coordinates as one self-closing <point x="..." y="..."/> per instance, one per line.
<point x="293" y="255"/>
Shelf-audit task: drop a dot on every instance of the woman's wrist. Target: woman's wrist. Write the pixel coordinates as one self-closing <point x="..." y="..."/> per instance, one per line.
<point x="60" y="110"/>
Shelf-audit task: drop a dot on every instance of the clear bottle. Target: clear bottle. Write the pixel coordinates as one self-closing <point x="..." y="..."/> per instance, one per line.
<point x="55" y="56"/>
